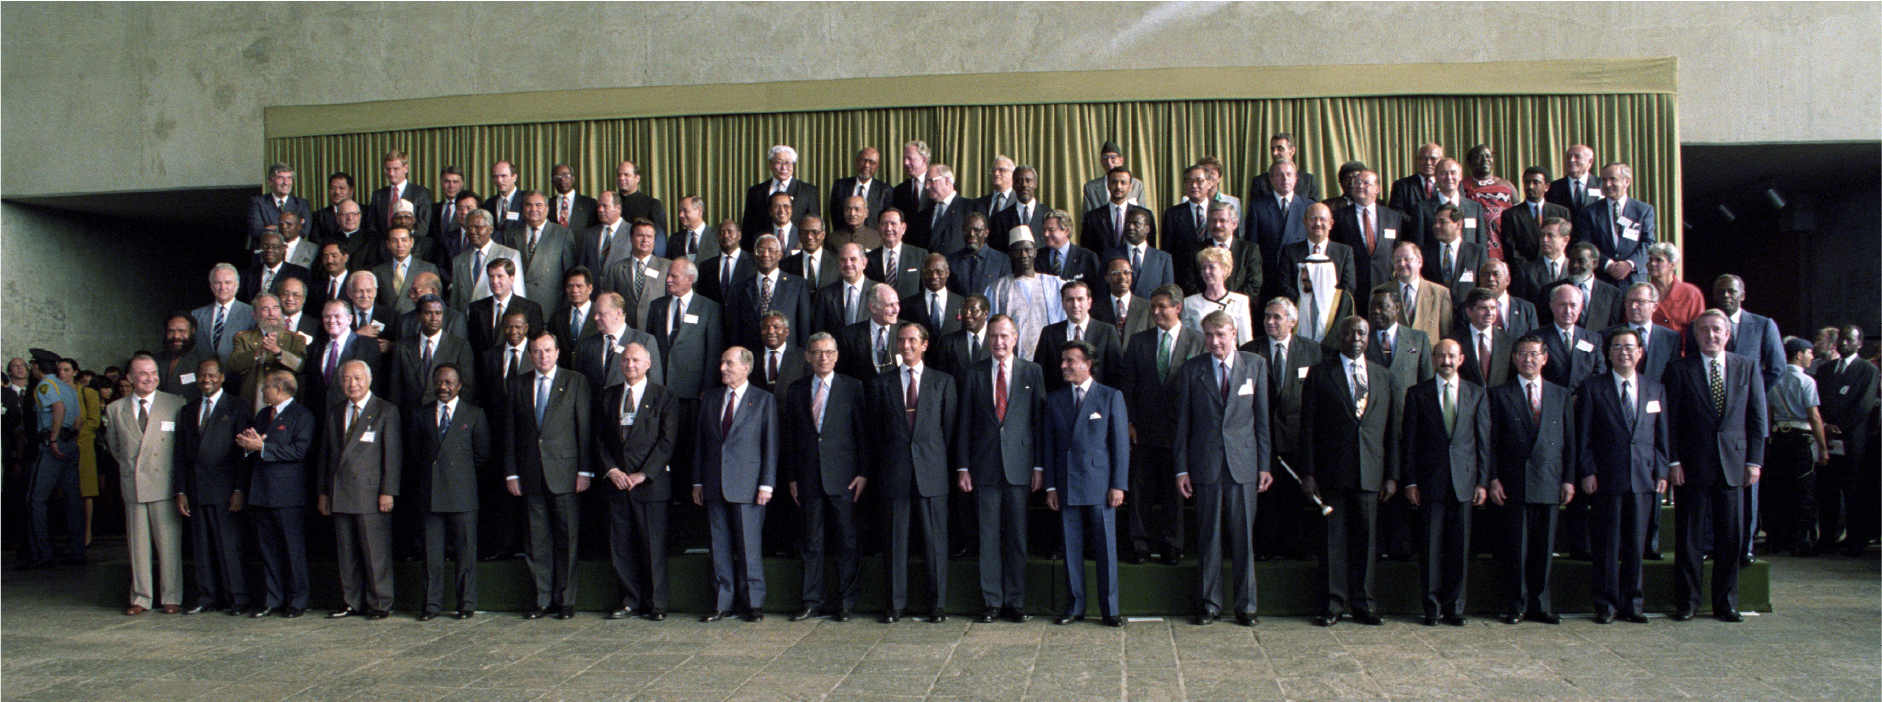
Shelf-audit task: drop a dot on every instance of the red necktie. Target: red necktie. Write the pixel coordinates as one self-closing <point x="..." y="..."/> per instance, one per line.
<point x="999" y="394"/>
<point x="1367" y="216"/>
<point x="1483" y="357"/>
<point x="725" y="423"/>
<point x="912" y="397"/>
<point x="1535" y="404"/>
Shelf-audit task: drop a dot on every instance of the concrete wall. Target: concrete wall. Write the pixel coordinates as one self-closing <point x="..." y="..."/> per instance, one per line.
<point x="115" y="97"/>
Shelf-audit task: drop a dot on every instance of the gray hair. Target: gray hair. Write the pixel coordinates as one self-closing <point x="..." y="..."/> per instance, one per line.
<point x="1665" y="250"/>
<point x="782" y="151"/>
<point x="1287" y="306"/>
<point x="362" y="366"/>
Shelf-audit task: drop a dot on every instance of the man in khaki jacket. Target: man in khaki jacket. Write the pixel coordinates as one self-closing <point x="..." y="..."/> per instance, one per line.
<point x="143" y="438"/>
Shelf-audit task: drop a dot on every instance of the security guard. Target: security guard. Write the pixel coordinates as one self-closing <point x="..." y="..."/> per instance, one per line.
<point x="56" y="405"/>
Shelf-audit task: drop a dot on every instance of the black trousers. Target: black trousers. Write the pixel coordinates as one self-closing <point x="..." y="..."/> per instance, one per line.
<point x="455" y="532"/>
<point x="1225" y="512"/>
<point x="281" y="534"/>
<point x="554" y="526"/>
<point x="1002" y="525"/>
<point x="637" y="543"/>
<point x="1617" y="530"/>
<point x="216" y="539"/>
<point x="830" y="518"/>
<point x="1351" y="550"/>
<point x="1285" y="519"/>
<point x="1528" y="537"/>
<point x="1445" y="556"/>
<point x="1718" y="509"/>
<point x="931" y="515"/>
<point x="1154" y="513"/>
<point x="1790" y="486"/>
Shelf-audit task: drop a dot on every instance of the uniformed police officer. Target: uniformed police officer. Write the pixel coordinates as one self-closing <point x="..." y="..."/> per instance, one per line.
<point x="55" y="403"/>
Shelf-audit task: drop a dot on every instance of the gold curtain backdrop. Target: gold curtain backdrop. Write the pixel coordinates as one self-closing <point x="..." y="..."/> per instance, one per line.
<point x="717" y="156"/>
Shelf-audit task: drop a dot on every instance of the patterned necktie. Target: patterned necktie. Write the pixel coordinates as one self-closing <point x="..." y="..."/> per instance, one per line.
<point x="1448" y="262"/>
<point x="1078" y="396"/>
<point x="1410" y="295"/>
<point x="1365" y="215"/>
<point x="1449" y="408"/>
<point x="444" y="419"/>
<point x="1360" y="391"/>
<point x="882" y="346"/>
<point x="764" y="296"/>
<point x="215" y="340"/>
<point x="1627" y="403"/>
<point x="1535" y="403"/>
<point x="143" y="414"/>
<point x="999" y="393"/>
<point x="817" y="403"/>
<point x="267" y="279"/>
<point x="607" y="247"/>
<point x="352" y="416"/>
<point x="1483" y="357"/>
<point x="562" y="211"/>
<point x="607" y="353"/>
<point x="1137" y="262"/>
<point x="208" y="408"/>
<point x="889" y="269"/>
<point x="1718" y="387"/>
<point x="1163" y="354"/>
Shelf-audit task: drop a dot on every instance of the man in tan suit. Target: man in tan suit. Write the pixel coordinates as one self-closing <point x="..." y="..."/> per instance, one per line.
<point x="265" y="348"/>
<point x="143" y="438"/>
<point x="1427" y="305"/>
<point x="359" y="476"/>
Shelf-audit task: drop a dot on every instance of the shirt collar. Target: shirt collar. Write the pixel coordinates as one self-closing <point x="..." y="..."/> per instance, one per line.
<point x="638" y="389"/>
<point x="450" y="407"/>
<point x="211" y="400"/>
<point x="1084" y="387"/>
<point x="550" y="375"/>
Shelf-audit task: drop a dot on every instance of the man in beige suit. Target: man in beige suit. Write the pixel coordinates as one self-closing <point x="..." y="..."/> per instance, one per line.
<point x="265" y="348"/>
<point x="1427" y="305"/>
<point x="359" y="476"/>
<point x="143" y="438"/>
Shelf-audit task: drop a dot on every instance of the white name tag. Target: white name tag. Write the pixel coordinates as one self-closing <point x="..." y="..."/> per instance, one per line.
<point x="651" y="273"/>
<point x="1594" y="192"/>
<point x="1845" y="390"/>
<point x="627" y="420"/>
<point x="1836" y="447"/>
<point x="1470" y="222"/>
<point x="689" y="319"/>
<point x="167" y="426"/>
<point x="1467" y="277"/>
<point x="368" y="436"/>
<point x="1389" y="234"/>
<point x="1653" y="407"/>
<point x="377" y="326"/>
<point x="1248" y="388"/>
<point x="620" y="349"/>
<point x="1095" y="415"/>
<point x="1583" y="346"/>
<point x="1631" y="233"/>
<point x="512" y="216"/>
<point x="1626" y="222"/>
<point x="1303" y="372"/>
<point x="186" y="378"/>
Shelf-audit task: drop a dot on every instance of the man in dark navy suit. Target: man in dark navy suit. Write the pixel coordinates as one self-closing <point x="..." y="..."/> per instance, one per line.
<point x="279" y="444"/>
<point x="1716" y="405"/>
<point x="1622" y="427"/>
<point x="805" y="200"/>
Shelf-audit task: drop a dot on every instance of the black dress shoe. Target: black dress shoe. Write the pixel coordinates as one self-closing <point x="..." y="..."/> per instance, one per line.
<point x="1014" y="615"/>
<point x="293" y="612"/>
<point x="755" y="615"/>
<point x="198" y="609"/>
<point x="1113" y="621"/>
<point x="987" y="616"/>
<point x="1604" y="617"/>
<point x="938" y="616"/>
<point x="377" y="614"/>
<point x="712" y="616"/>
<point x="1135" y="559"/>
<point x="803" y="614"/>
<point x="536" y="613"/>
<point x="1681" y="616"/>
<point x="34" y="564"/>
<point x="1456" y="620"/>
<point x="565" y="613"/>
<point x="344" y="613"/>
<point x="1207" y="618"/>
<point x="1634" y="617"/>
<point x="1428" y="620"/>
<point x="1652" y="556"/>
<point x="1064" y="619"/>
<point x="892" y="616"/>
<point x="1729" y="616"/>
<point x="1246" y="619"/>
<point x="1580" y="556"/>
<point x="1507" y="618"/>
<point x="655" y="615"/>
<point x="621" y="613"/>
<point x="1747" y="560"/>
<point x="1326" y="620"/>
<point x="427" y="616"/>
<point x="466" y="613"/>
<point x="263" y="612"/>
<point x="1170" y="558"/>
<point x="1544" y="617"/>
<point x="841" y="615"/>
<point x="235" y="611"/>
<point x="1367" y="618"/>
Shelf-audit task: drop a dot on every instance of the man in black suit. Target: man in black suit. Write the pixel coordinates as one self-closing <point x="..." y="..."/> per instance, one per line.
<point x="501" y="518"/>
<point x="1186" y="223"/>
<point x="1412" y="191"/>
<point x="1581" y="186"/>
<point x="735" y="470"/>
<point x="567" y="207"/>
<point x="694" y="240"/>
<point x="780" y="362"/>
<point x="279" y="444"/>
<point x="779" y="224"/>
<point x="329" y="283"/>
<point x="1319" y="226"/>
<point x="548" y="462"/>
<point x="1107" y="345"/>
<point x="1485" y="347"/>
<point x="998" y="461"/>
<point x="1280" y="520"/>
<point x="385" y="200"/>
<point x="869" y="347"/>
<point x="1532" y="473"/>
<point x="1102" y="229"/>
<point x="1715" y="399"/>
<point x="1405" y="352"/>
<point x="1351" y="464"/>
<point x="1281" y="148"/>
<point x="1521" y="225"/>
<point x="875" y="193"/>
<point x="1026" y="209"/>
<point x="768" y="290"/>
<point x="1601" y="302"/>
<point x="1658" y="345"/>
<point x="211" y="489"/>
<point x="1152" y="372"/>
<point x="1059" y="256"/>
<point x="1120" y="307"/>
<point x="719" y="274"/>
<point x="1574" y="352"/>
<point x="505" y="205"/>
<point x="844" y="302"/>
<point x="1002" y="197"/>
<point x="321" y="372"/>
<point x="486" y="315"/>
<point x="1371" y="229"/>
<point x="935" y="306"/>
<point x="450" y="441"/>
<point x="325" y="224"/>
<point x="1446" y="435"/>
<point x="1847" y="386"/>
<point x="1514" y="315"/>
<point x="824" y="434"/>
<point x="896" y="264"/>
<point x="415" y="360"/>
<point x="369" y="318"/>
<point x="636" y="450"/>
<point x="967" y="345"/>
<point x="597" y="355"/>
<point x="1451" y="261"/>
<point x="264" y="210"/>
<point x="1274" y="221"/>
<point x="1087" y="470"/>
<point x="1473" y="226"/>
<point x="915" y="409"/>
<point x="912" y="194"/>
<point x="271" y="270"/>
<point x="637" y="204"/>
<point x="815" y="262"/>
<point x="1534" y="278"/>
<point x="973" y="268"/>
<point x="445" y="214"/>
<point x="1222" y="455"/>
<point x="575" y="319"/>
<point x="805" y="200"/>
<point x="1247" y="258"/>
<point x="1622" y="432"/>
<point x="938" y="228"/>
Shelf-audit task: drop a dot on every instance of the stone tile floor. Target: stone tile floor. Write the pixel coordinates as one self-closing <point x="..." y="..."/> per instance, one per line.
<point x="1823" y="643"/>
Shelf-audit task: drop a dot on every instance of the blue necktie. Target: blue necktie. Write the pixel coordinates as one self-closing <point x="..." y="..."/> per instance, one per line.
<point x="542" y="398"/>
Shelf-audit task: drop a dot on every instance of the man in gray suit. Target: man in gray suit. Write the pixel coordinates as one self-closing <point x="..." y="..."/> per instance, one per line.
<point x="915" y="409"/>
<point x="548" y="464"/>
<point x="638" y="274"/>
<point x="218" y="322"/>
<point x="359" y="477"/>
<point x="469" y="282"/>
<point x="601" y="245"/>
<point x="691" y="336"/>
<point x="1446" y="435"/>
<point x="1716" y="406"/>
<point x="450" y="441"/>
<point x="735" y="460"/>
<point x="824" y="434"/>
<point x="1532" y="473"/>
<point x="998" y="461"/>
<point x="1222" y="460"/>
<point x="547" y="249"/>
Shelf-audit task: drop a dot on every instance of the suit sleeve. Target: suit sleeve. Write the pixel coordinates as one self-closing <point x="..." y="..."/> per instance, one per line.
<point x="1771" y="352"/>
<point x="1757" y="424"/>
<point x="1180" y="446"/>
<point x="1264" y="448"/>
<point x="584" y="423"/>
<point x="1664" y="446"/>
<point x="1673" y="398"/>
<point x="607" y="437"/>
<point x="256" y="221"/>
<point x="182" y="469"/>
<point x="1583" y="448"/>
<point x="768" y="459"/>
<point x="1120" y="443"/>
<point x="1394" y="458"/>
<point x="1482" y="427"/>
<point x="662" y="454"/>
